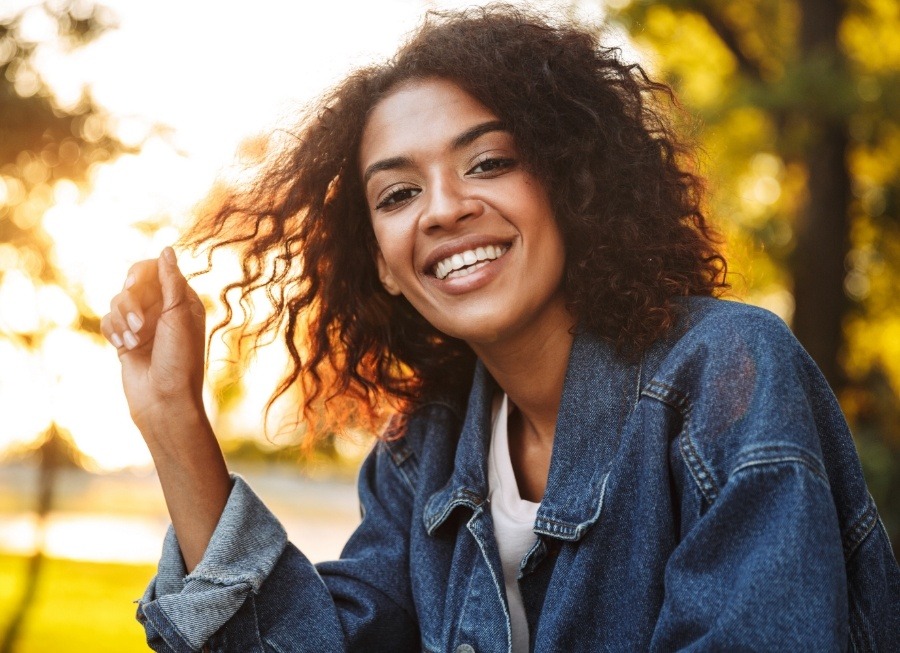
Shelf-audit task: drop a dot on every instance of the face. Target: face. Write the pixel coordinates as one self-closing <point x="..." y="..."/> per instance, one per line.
<point x="465" y="232"/>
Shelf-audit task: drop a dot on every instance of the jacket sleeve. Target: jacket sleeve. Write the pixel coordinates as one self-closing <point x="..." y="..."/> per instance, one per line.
<point x="254" y="592"/>
<point x="760" y="563"/>
<point x="762" y="569"/>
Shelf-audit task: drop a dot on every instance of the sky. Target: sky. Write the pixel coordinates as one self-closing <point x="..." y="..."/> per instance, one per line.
<point x="189" y="79"/>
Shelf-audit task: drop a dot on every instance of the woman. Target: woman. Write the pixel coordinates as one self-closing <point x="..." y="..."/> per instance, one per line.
<point x="495" y="233"/>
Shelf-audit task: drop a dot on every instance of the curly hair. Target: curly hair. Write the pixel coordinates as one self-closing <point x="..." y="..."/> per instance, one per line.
<point x="591" y="127"/>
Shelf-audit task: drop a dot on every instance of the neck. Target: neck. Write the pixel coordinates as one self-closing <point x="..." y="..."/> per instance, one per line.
<point x="531" y="369"/>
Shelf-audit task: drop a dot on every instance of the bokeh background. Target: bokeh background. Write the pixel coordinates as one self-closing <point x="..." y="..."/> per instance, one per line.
<point x="117" y="120"/>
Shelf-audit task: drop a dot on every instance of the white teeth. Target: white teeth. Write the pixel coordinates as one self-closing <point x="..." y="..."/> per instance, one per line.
<point x="464" y="263"/>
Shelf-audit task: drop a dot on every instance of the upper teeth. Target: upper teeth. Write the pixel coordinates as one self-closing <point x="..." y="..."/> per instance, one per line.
<point x="453" y="265"/>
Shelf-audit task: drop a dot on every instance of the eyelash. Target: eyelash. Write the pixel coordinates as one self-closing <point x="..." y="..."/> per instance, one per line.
<point x="495" y="166"/>
<point x="392" y="199"/>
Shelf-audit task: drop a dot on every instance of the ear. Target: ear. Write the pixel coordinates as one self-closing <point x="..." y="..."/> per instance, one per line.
<point x="387" y="279"/>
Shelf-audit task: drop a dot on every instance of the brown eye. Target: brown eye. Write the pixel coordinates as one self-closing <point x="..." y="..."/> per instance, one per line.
<point x="398" y="196"/>
<point x="488" y="166"/>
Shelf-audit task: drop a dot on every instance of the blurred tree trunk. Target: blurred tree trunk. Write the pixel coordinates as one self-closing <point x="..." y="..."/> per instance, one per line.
<point x="52" y="455"/>
<point x="818" y="263"/>
<point x="816" y="84"/>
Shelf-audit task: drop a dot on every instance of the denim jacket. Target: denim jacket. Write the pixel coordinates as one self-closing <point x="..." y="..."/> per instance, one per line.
<point x="707" y="497"/>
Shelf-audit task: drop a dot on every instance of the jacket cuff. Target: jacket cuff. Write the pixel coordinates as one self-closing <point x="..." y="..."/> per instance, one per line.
<point x="245" y="546"/>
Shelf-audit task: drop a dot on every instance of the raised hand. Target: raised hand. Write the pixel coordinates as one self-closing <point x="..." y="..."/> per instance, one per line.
<point x="157" y="324"/>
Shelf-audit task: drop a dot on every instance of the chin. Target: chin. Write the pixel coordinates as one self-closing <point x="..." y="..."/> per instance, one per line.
<point x="475" y="331"/>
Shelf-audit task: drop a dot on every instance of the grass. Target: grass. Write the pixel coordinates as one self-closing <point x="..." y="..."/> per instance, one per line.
<point x="79" y="606"/>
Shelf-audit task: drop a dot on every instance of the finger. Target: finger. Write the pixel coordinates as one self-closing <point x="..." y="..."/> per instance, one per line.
<point x="140" y="273"/>
<point x="142" y="282"/>
<point x="174" y="285"/>
<point x="132" y="323"/>
<point x="126" y="309"/>
<point x="106" y="328"/>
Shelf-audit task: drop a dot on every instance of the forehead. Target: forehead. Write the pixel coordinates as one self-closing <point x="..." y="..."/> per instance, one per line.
<point x="419" y="115"/>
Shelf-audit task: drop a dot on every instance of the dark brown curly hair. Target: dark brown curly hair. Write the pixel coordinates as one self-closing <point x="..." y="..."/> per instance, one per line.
<point x="590" y="126"/>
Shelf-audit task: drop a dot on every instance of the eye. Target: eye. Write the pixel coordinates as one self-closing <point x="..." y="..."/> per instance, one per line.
<point x="397" y="196"/>
<point x="493" y="165"/>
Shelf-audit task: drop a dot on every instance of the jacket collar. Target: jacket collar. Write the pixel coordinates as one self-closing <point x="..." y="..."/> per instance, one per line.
<point x="599" y="392"/>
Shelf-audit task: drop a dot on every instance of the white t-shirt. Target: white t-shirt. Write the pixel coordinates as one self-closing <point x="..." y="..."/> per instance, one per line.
<point x="513" y="521"/>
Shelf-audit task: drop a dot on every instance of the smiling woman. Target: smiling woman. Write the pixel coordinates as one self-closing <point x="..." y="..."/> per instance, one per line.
<point x="443" y="179"/>
<point x="498" y="234"/>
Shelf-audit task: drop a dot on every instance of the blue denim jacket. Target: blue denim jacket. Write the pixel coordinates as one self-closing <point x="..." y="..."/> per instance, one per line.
<point x="707" y="498"/>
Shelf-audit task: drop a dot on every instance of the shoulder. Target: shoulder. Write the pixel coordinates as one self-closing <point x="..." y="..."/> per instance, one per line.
<point x="724" y="323"/>
<point x="744" y="387"/>
<point x="715" y="339"/>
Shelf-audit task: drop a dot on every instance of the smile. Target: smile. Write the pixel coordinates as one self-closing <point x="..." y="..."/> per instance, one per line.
<point x="467" y="262"/>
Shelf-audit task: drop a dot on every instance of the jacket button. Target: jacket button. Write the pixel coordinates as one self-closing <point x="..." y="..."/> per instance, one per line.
<point x="464" y="648"/>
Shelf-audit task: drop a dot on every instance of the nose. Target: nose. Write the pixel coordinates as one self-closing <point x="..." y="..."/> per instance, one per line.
<point x="450" y="202"/>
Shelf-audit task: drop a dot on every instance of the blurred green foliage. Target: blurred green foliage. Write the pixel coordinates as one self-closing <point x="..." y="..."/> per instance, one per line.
<point x="797" y="106"/>
<point x="44" y="139"/>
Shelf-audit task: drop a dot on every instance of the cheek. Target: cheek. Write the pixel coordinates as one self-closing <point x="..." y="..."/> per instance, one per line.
<point x="394" y="258"/>
<point x="395" y="237"/>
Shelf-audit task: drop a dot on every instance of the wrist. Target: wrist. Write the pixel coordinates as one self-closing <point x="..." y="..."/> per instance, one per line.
<point x="176" y="428"/>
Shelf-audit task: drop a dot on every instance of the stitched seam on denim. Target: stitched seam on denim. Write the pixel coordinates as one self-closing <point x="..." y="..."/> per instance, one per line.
<point x="577" y="531"/>
<point x="860" y="529"/>
<point x="249" y="578"/>
<point x="404" y="459"/>
<point x="528" y="563"/>
<point x="782" y="449"/>
<point x="252" y="608"/>
<point x="637" y="389"/>
<point x="556" y="529"/>
<point x="500" y="590"/>
<point x="858" y="634"/>
<point x="273" y="645"/>
<point x="783" y="459"/>
<point x="469" y="499"/>
<point x="677" y="400"/>
<point x="172" y="627"/>
<point x="408" y="479"/>
<point x="699" y="472"/>
<point x="667" y="394"/>
<point x="456" y="625"/>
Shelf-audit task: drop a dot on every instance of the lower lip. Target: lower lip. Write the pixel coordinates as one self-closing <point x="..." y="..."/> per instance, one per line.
<point x="472" y="281"/>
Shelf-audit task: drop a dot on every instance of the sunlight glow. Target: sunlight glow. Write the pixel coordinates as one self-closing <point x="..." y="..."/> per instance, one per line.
<point x="223" y="75"/>
<point x="23" y="391"/>
<point x="85" y="399"/>
<point x="97" y="537"/>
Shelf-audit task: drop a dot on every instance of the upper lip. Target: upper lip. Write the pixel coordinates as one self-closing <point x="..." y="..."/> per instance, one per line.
<point x="460" y="245"/>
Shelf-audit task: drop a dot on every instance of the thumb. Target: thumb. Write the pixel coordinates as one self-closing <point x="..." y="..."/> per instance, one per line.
<point x="171" y="280"/>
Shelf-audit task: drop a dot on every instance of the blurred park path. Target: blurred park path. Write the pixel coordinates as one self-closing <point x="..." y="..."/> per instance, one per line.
<point x="102" y="539"/>
<point x="121" y="517"/>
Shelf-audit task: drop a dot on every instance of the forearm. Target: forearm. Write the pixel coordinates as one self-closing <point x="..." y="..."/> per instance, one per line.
<point x="193" y="476"/>
<point x="252" y="591"/>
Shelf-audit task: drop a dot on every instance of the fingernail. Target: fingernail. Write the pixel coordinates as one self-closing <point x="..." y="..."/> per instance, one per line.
<point x="169" y="255"/>
<point x="129" y="282"/>
<point x="115" y="340"/>
<point x="131" y="340"/>
<point x="134" y="322"/>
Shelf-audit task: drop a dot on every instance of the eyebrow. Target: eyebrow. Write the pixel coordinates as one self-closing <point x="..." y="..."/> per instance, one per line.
<point x="467" y="137"/>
